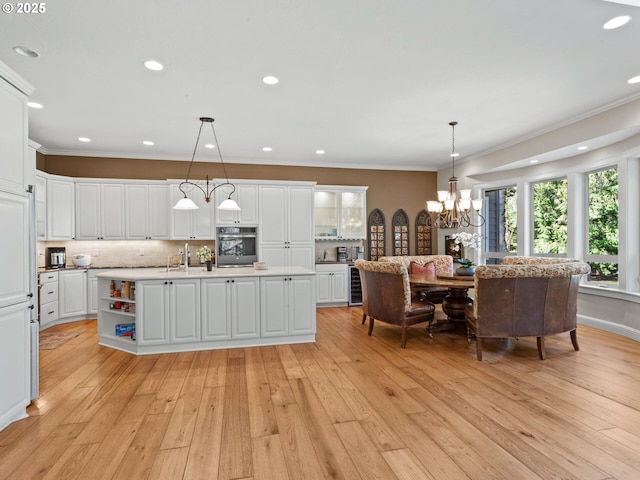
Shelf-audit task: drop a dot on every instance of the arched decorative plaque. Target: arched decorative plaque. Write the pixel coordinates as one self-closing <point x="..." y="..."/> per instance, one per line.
<point x="375" y="234"/>
<point x="400" y="226"/>
<point x="423" y="234"/>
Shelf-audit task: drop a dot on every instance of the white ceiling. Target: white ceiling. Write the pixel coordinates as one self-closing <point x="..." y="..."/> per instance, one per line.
<point x="374" y="83"/>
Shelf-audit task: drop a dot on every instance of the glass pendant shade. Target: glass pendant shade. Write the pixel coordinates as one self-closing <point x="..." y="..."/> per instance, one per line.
<point x="185" y="204"/>
<point x="229" y="204"/>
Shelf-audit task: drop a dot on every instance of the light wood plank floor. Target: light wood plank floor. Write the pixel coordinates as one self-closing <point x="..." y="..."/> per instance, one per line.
<point x="348" y="406"/>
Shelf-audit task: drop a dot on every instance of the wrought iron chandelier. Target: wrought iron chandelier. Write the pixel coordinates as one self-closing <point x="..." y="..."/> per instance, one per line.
<point x="453" y="209"/>
<point x="186" y="203"/>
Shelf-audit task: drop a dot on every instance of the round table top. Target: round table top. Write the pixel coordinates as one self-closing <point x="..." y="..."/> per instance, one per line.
<point x="450" y="281"/>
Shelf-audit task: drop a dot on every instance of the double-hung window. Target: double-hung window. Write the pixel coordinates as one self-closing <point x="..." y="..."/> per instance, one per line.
<point x="500" y="228"/>
<point x="550" y="217"/>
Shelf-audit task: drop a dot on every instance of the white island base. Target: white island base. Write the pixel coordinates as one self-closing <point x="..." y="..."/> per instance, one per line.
<point x="156" y="311"/>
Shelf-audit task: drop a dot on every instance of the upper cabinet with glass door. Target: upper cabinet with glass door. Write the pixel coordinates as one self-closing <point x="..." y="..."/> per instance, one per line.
<point x="340" y="212"/>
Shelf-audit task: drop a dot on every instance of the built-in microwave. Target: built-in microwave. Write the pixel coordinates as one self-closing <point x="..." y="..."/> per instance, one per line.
<point x="236" y="246"/>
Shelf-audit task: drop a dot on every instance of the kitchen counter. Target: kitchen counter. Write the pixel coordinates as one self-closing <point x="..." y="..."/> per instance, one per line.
<point x="176" y="311"/>
<point x="135" y="274"/>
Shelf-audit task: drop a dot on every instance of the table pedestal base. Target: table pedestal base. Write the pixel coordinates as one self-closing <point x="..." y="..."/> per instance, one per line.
<point x="454" y="303"/>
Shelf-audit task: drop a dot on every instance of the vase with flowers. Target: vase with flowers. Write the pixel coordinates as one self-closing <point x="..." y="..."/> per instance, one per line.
<point x="469" y="241"/>
<point x="206" y="256"/>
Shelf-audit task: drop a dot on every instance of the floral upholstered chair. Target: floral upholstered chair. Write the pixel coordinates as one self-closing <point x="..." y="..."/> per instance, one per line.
<point x="386" y="296"/>
<point x="525" y="296"/>
<point x="443" y="265"/>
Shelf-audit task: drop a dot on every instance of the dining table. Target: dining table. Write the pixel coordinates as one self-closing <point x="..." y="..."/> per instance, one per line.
<point x="454" y="303"/>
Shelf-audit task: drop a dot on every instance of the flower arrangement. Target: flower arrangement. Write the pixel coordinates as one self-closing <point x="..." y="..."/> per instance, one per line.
<point x="467" y="240"/>
<point x="204" y="253"/>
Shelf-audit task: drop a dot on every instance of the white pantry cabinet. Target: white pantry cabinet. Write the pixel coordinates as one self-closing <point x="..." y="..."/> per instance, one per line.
<point x="14" y="173"/>
<point x="230" y="308"/>
<point x="99" y="211"/>
<point x="286" y="225"/>
<point x="287" y="305"/>
<point x="246" y="196"/>
<point x="147" y="211"/>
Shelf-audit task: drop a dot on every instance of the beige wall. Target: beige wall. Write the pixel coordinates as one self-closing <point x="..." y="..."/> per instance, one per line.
<point x="389" y="190"/>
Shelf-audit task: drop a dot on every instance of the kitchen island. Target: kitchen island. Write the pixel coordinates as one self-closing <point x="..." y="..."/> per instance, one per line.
<point x="145" y="311"/>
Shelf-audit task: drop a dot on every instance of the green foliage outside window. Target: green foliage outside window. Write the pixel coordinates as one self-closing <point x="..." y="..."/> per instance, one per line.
<point x="550" y="217"/>
<point x="603" y="222"/>
<point x="510" y="220"/>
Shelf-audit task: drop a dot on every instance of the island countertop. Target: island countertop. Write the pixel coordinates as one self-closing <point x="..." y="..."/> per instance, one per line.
<point x="136" y="274"/>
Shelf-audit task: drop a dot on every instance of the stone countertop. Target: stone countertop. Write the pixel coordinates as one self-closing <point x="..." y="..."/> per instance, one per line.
<point x="135" y="274"/>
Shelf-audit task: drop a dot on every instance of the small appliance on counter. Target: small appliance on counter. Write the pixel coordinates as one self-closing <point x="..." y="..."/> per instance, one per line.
<point x="81" y="260"/>
<point x="56" y="257"/>
<point x="357" y="252"/>
<point x="341" y="254"/>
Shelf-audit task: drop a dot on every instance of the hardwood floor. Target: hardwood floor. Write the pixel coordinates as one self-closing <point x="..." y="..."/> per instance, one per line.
<point x="349" y="406"/>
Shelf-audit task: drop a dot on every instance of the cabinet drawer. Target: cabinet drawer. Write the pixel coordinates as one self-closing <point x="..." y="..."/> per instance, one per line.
<point x="48" y="293"/>
<point x="48" y="312"/>
<point x="48" y="277"/>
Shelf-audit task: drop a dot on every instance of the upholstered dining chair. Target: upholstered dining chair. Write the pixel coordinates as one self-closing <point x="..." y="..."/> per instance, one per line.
<point x="526" y="296"/>
<point x="386" y="293"/>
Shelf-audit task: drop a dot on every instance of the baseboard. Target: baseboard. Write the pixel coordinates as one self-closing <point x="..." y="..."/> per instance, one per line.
<point x="612" y="327"/>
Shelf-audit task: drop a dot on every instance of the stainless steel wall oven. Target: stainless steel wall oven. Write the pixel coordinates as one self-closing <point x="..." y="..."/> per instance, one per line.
<point x="236" y="246"/>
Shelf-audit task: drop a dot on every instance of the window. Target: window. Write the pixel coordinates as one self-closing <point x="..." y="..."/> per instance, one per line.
<point x="500" y="230"/>
<point x="602" y="234"/>
<point x="550" y="217"/>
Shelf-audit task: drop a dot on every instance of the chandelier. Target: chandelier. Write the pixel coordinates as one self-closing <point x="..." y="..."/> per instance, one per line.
<point x="186" y="203"/>
<point x="453" y="209"/>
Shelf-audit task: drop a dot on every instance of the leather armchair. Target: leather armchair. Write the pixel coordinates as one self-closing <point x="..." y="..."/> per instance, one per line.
<point x="444" y="266"/>
<point x="386" y="296"/>
<point x="525" y="296"/>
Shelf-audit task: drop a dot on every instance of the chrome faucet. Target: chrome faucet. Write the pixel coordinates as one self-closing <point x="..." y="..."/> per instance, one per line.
<point x="186" y="258"/>
<point x="324" y="255"/>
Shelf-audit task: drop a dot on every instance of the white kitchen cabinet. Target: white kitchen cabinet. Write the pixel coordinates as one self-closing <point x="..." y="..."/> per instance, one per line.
<point x="41" y="207"/>
<point x="13" y="138"/>
<point x="60" y="209"/>
<point x="99" y="211"/>
<point x="72" y="293"/>
<point x="147" y="212"/>
<point x="191" y="224"/>
<point x="93" y="299"/>
<point x="230" y="308"/>
<point x="287" y="305"/>
<point x="168" y="311"/>
<point x="49" y="294"/>
<point x="14" y="219"/>
<point x="332" y="284"/>
<point x="286" y="225"/>
<point x="340" y="212"/>
<point x="246" y="196"/>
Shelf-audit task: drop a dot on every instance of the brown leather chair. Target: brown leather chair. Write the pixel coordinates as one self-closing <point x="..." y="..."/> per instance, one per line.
<point x="527" y="298"/>
<point x="444" y="266"/>
<point x="386" y="296"/>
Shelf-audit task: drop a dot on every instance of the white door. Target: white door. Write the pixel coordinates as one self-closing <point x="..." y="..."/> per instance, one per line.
<point x="302" y="312"/>
<point x="112" y="212"/>
<point x="273" y="215"/>
<point x="245" y="308"/>
<point x="273" y="304"/>
<point x="274" y="255"/>
<point x="13" y="139"/>
<point x="72" y="293"/>
<point x="216" y="309"/>
<point x="159" y="210"/>
<point x="300" y="216"/>
<point x="152" y="302"/>
<point x="301" y="255"/>
<point x="339" y="287"/>
<point x="61" y="210"/>
<point x="137" y="212"/>
<point x="323" y="287"/>
<point x="184" y="302"/>
<point x="87" y="211"/>
<point x="14" y="242"/>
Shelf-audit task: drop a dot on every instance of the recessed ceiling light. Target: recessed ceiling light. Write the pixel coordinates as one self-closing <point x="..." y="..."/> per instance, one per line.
<point x="270" y="80"/>
<point x="209" y="145"/>
<point x="320" y="152"/>
<point x="34" y="104"/>
<point x="454" y="155"/>
<point x="266" y="149"/>
<point x="616" y="22"/>
<point x="84" y="139"/>
<point x="153" y="65"/>
<point x="635" y="79"/>
<point x="533" y="161"/>
<point x="582" y="147"/>
<point x="26" y="52"/>
<point x="148" y="142"/>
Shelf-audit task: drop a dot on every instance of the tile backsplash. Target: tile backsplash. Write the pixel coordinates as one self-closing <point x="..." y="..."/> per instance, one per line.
<point x="125" y="253"/>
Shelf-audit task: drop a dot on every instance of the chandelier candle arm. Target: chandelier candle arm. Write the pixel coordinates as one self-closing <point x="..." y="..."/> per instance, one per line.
<point x="453" y="207"/>
<point x="186" y="203"/>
